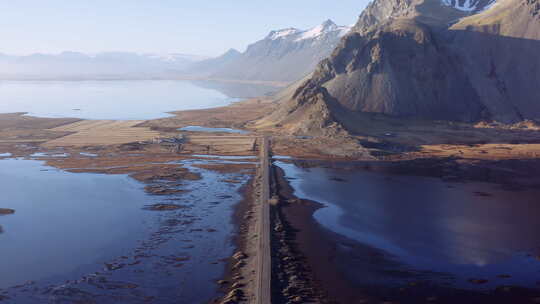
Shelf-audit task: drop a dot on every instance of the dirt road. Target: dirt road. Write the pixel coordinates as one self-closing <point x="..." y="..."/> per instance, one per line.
<point x="263" y="292"/>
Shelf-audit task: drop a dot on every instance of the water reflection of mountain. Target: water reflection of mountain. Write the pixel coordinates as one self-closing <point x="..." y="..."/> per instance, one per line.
<point x="238" y="89"/>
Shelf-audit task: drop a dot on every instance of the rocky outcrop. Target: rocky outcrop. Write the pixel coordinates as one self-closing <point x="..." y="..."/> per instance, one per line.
<point x="309" y="112"/>
<point x="378" y="11"/>
<point x="400" y="69"/>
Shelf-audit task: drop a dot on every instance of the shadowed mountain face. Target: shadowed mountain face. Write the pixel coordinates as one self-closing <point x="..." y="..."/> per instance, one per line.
<point x="466" y="61"/>
<point x="284" y="55"/>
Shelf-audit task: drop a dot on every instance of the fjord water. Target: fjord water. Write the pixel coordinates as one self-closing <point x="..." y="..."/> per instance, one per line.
<point x="460" y="231"/>
<point x="118" y="99"/>
<point x="64" y="221"/>
<point x="207" y="129"/>
<point x="82" y="237"/>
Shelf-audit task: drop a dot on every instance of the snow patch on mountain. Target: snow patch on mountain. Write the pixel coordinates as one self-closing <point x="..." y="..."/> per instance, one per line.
<point x="317" y="32"/>
<point x="469" y="5"/>
<point x="322" y="29"/>
<point x="275" y="35"/>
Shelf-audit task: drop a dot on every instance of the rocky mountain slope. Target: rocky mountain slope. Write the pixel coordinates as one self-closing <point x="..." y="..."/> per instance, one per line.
<point x="284" y="55"/>
<point x="430" y="59"/>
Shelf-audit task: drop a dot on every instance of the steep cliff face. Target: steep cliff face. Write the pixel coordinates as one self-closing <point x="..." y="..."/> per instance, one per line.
<point x="378" y="11"/>
<point x="400" y="69"/>
<point x="499" y="50"/>
<point x="427" y="59"/>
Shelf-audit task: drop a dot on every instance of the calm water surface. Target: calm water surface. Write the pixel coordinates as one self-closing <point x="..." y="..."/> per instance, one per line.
<point x="122" y="100"/>
<point x="207" y="129"/>
<point x="466" y="230"/>
<point x="64" y="221"/>
<point x="86" y="237"/>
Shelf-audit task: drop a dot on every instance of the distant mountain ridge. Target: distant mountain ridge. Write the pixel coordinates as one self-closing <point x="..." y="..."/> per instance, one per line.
<point x="75" y="65"/>
<point x="328" y="27"/>
<point x="284" y="55"/>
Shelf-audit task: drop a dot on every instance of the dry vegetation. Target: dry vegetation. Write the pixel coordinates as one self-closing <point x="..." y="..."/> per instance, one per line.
<point x="237" y="145"/>
<point x="19" y="128"/>
<point x="373" y="136"/>
<point x="233" y="116"/>
<point x="486" y="151"/>
<point x="101" y="132"/>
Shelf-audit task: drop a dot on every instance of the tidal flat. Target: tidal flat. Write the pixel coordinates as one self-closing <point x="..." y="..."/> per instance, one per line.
<point x="90" y="236"/>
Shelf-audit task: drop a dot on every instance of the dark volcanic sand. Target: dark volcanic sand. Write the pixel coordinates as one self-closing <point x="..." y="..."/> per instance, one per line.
<point x="344" y="268"/>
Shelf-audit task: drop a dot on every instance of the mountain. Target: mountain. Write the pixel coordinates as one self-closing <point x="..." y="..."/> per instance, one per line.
<point x="284" y="55"/>
<point x="466" y="61"/>
<point x="208" y="67"/>
<point x="74" y="65"/>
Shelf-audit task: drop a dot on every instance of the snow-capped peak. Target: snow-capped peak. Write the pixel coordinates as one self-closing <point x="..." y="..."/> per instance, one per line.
<point x="469" y="5"/>
<point x="322" y="29"/>
<point x="314" y="33"/>
<point x="325" y="27"/>
<point x="274" y="35"/>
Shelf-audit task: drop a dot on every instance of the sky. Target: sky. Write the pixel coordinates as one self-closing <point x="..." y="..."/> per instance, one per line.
<point x="199" y="27"/>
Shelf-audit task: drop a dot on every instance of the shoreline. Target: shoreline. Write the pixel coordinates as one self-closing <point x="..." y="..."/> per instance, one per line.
<point x="238" y="273"/>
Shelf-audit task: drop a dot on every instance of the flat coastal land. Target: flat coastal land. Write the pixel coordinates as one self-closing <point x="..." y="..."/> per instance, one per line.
<point x="303" y="260"/>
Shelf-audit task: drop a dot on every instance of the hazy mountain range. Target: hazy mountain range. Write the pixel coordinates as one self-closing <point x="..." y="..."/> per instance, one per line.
<point x="114" y="65"/>
<point x="283" y="55"/>
<point x="461" y="60"/>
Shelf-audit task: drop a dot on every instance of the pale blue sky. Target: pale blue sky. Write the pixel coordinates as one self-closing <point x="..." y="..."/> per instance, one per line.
<point x="203" y="27"/>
